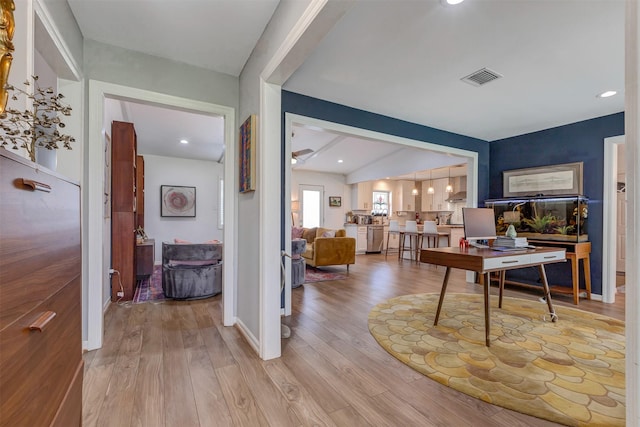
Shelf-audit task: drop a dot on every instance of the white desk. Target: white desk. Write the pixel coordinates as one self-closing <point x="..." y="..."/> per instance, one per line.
<point x="485" y="261"/>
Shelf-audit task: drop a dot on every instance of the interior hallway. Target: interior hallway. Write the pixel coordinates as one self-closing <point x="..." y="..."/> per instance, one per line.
<point x="174" y="364"/>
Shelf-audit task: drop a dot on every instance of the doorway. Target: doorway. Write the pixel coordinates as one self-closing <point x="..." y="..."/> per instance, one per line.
<point x="614" y="223"/>
<point x="93" y="200"/>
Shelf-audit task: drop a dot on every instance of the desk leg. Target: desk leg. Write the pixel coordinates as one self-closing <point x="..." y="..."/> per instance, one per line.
<point x="501" y="285"/>
<point x="586" y="264"/>
<point x="442" y="292"/>
<point x="547" y="293"/>
<point x="487" y="308"/>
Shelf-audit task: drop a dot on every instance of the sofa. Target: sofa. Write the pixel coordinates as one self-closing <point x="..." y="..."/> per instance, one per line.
<point x="328" y="247"/>
<point x="191" y="270"/>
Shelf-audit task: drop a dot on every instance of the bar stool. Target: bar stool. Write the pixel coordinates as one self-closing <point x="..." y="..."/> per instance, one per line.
<point x="394" y="229"/>
<point x="411" y="231"/>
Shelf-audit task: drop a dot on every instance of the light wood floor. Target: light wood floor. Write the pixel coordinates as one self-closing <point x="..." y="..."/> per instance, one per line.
<point x="174" y="364"/>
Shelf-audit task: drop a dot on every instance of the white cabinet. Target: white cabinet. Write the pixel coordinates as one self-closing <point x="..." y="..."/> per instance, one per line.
<point x="455" y="233"/>
<point x="403" y="198"/>
<point x="361" y="240"/>
<point x="365" y="195"/>
<point x="436" y="201"/>
<point x="392" y="240"/>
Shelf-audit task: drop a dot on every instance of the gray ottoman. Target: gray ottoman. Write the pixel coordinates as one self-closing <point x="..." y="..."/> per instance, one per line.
<point x="298" y="264"/>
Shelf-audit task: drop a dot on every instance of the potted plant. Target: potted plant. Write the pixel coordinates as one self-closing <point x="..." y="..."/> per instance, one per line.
<point x="38" y="127"/>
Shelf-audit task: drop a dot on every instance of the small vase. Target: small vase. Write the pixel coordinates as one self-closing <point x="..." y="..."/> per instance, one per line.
<point x="511" y="232"/>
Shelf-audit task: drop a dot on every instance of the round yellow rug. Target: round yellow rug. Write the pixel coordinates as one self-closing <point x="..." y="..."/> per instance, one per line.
<point x="570" y="371"/>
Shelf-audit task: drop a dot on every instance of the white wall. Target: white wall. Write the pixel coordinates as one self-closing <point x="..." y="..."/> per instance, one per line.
<point x="334" y="185"/>
<point x="204" y="176"/>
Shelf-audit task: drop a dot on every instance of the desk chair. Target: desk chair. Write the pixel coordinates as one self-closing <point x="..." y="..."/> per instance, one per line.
<point x="394" y="229"/>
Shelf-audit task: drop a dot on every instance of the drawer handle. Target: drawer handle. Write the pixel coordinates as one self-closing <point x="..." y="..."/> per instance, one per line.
<point x="42" y="321"/>
<point x="35" y="185"/>
<point x="551" y="257"/>
<point x="515" y="261"/>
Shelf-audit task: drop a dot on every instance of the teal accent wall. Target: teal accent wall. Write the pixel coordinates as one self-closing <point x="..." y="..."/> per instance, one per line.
<point x="577" y="142"/>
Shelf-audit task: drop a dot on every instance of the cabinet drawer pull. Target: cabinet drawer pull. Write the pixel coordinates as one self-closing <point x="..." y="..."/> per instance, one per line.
<point x="35" y="185"/>
<point x="42" y="321"/>
<point x="551" y="257"/>
<point x="515" y="261"/>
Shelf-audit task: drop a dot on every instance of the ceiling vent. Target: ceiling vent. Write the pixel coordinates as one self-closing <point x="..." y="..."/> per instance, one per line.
<point x="481" y="77"/>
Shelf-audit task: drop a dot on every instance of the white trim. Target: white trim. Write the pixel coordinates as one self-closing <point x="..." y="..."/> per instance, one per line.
<point x="42" y="11"/>
<point x="609" y="216"/>
<point x="289" y="43"/>
<point x="92" y="191"/>
<point x="270" y="167"/>
<point x="246" y="333"/>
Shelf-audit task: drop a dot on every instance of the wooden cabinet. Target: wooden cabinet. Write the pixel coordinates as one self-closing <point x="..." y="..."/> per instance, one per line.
<point x="139" y="191"/>
<point x="145" y="257"/>
<point x="124" y="201"/>
<point x="41" y="367"/>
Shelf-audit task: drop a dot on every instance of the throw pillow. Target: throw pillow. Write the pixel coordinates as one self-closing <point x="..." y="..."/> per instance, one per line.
<point x="181" y="241"/>
<point x="330" y="233"/>
<point x="212" y="241"/>
<point x="296" y="232"/>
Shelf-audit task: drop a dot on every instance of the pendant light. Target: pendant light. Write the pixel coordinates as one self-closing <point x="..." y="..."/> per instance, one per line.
<point x="415" y="189"/>
<point x="430" y="190"/>
<point x="449" y="188"/>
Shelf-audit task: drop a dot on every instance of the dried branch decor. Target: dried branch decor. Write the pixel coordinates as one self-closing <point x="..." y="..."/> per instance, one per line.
<point x="38" y="127"/>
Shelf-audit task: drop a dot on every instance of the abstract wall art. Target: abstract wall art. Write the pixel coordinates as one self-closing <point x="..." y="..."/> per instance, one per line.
<point x="176" y="200"/>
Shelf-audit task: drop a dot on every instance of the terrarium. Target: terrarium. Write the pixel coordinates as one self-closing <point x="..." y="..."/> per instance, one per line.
<point x="560" y="218"/>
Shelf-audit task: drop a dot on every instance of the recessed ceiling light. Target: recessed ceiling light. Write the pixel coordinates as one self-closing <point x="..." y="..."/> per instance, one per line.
<point x="450" y="2"/>
<point x="340" y="161"/>
<point x="184" y="141"/>
<point x="607" y="94"/>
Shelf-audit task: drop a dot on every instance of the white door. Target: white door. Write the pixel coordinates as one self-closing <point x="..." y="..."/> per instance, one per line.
<point x="621" y="231"/>
<point x="311" y="209"/>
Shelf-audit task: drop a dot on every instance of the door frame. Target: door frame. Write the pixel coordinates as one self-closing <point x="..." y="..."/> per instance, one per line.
<point x="609" y="216"/>
<point x="97" y="277"/>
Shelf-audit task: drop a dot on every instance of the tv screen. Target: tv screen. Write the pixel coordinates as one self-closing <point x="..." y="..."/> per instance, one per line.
<point x="479" y="223"/>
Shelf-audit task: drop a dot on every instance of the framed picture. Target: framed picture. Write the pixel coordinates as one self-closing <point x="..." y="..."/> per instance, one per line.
<point x="547" y="180"/>
<point x="247" y="154"/>
<point x="176" y="200"/>
<point x="335" y="201"/>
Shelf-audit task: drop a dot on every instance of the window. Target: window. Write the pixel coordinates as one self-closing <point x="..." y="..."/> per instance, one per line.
<point x="312" y="212"/>
<point x="381" y="203"/>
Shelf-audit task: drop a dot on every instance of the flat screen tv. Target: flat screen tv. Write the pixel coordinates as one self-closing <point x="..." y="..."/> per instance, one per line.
<point x="479" y="223"/>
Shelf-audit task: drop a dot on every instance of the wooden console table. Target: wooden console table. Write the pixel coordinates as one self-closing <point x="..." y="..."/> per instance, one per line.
<point x="486" y="261"/>
<point x="145" y="257"/>
<point x="575" y="251"/>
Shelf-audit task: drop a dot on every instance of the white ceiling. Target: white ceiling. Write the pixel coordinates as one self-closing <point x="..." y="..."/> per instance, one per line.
<point x="400" y="58"/>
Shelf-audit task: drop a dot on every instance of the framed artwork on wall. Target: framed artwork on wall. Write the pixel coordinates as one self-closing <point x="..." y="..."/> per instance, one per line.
<point x="335" y="201"/>
<point x="177" y="201"/>
<point x="559" y="179"/>
<point x="247" y="154"/>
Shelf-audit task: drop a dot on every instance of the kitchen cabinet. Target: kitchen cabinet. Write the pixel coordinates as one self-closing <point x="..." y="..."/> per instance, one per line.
<point x="392" y="240"/>
<point x="365" y="195"/>
<point x="436" y="201"/>
<point x="403" y="198"/>
<point x="361" y="239"/>
<point x="455" y="233"/>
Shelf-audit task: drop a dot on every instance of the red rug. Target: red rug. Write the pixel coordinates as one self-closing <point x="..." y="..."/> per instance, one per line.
<point x="150" y="289"/>
<point x="313" y="274"/>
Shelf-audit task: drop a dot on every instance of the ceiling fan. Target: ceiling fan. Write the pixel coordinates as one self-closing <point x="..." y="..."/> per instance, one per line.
<point x="296" y="154"/>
